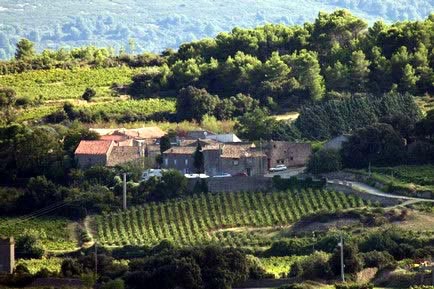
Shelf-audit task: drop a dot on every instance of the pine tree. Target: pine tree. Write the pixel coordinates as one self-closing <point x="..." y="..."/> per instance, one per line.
<point x="359" y="71"/>
<point x="409" y="79"/>
<point x="25" y="50"/>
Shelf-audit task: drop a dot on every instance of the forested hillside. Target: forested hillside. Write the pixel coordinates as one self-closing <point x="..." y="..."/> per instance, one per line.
<point x="138" y="26"/>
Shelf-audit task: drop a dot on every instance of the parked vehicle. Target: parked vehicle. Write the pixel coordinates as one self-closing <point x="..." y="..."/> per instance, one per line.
<point x="278" y="168"/>
<point x="222" y="175"/>
<point x="147" y="174"/>
<point x="196" y="176"/>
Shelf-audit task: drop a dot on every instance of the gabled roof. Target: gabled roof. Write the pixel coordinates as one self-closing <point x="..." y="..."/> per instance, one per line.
<point x="93" y="147"/>
<point x="114" y="137"/>
<point x="150" y="132"/>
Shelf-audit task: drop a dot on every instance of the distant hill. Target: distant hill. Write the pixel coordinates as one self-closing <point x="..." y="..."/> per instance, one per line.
<point x="152" y="25"/>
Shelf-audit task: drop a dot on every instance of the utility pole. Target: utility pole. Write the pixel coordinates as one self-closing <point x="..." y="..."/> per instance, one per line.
<point x="341" y="245"/>
<point x="125" y="192"/>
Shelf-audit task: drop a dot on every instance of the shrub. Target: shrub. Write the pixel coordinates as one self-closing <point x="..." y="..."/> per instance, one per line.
<point x="88" y="94"/>
<point x="315" y="266"/>
<point x="378" y="259"/>
<point x="29" y="247"/>
<point x="354" y="286"/>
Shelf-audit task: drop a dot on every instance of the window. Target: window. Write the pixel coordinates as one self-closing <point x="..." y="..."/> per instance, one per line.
<point x="235" y="162"/>
<point x="166" y="161"/>
<point x="186" y="162"/>
<point x="281" y="161"/>
<point x="292" y="158"/>
<point x="174" y="162"/>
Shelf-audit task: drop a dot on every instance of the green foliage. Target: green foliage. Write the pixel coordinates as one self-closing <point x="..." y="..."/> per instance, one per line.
<point x="354" y="286"/>
<point x="352" y="260"/>
<point x="377" y="144"/>
<point x="324" y="161"/>
<point x="28" y="246"/>
<point x="314" y="266"/>
<point x="202" y="218"/>
<point x="25" y="50"/>
<point x="332" y="118"/>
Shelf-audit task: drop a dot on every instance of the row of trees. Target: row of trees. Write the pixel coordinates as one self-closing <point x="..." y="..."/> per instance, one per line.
<point x="292" y="65"/>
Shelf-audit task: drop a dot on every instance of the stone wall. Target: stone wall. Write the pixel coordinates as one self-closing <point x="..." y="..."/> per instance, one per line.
<point x="7" y="255"/>
<point x="235" y="184"/>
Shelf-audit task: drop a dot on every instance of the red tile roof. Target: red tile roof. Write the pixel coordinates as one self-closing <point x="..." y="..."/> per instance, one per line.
<point x="93" y="147"/>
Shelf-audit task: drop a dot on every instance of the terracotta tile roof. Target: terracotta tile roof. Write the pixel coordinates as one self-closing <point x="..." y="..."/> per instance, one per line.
<point x="93" y="147"/>
<point x="114" y="137"/>
<point x="144" y="132"/>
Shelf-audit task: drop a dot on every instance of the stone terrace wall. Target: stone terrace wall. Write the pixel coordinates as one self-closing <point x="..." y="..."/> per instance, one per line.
<point x="236" y="184"/>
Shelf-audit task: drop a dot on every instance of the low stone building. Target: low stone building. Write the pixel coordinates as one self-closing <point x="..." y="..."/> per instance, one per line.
<point x="7" y="255"/>
<point x="286" y="153"/>
<point x="235" y="159"/>
<point x="124" y="154"/>
<point x="93" y="152"/>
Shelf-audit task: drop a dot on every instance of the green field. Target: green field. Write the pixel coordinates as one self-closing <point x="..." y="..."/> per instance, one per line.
<point x="61" y="84"/>
<point x="232" y="219"/>
<point x="406" y="178"/>
<point x="56" y="234"/>
<point x="279" y="266"/>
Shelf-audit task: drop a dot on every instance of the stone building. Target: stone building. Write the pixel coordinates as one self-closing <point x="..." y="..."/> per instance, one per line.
<point x="93" y="152"/>
<point x="7" y="255"/>
<point x="235" y="159"/>
<point x="286" y="153"/>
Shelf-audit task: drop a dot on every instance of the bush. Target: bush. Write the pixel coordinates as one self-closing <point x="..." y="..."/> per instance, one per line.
<point x="289" y="247"/>
<point x="315" y="266"/>
<point x="378" y="259"/>
<point x="114" y="284"/>
<point x="324" y="161"/>
<point x="88" y="94"/>
<point x="354" y="286"/>
<point x="29" y="247"/>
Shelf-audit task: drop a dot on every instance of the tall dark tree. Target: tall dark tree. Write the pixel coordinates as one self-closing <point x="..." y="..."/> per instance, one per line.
<point x="198" y="159"/>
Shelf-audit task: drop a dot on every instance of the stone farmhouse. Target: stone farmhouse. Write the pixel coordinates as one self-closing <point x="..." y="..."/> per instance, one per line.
<point x="223" y="153"/>
<point x="117" y="146"/>
<point x="232" y="158"/>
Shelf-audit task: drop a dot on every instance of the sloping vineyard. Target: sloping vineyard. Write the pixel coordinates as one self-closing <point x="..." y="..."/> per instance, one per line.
<point x="209" y="218"/>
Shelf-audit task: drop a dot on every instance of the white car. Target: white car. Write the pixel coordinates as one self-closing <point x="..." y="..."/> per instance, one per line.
<point x="196" y="176"/>
<point x="158" y="173"/>
<point x="222" y="175"/>
<point x="278" y="168"/>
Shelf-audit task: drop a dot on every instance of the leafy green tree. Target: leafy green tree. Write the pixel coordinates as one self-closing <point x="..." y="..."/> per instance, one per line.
<point x="25" y="50"/>
<point x="379" y="144"/>
<point x="324" y="161"/>
<point x="352" y="260"/>
<point x="29" y="247"/>
<point x="194" y="103"/>
<point x="256" y="125"/>
<point x="198" y="159"/>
